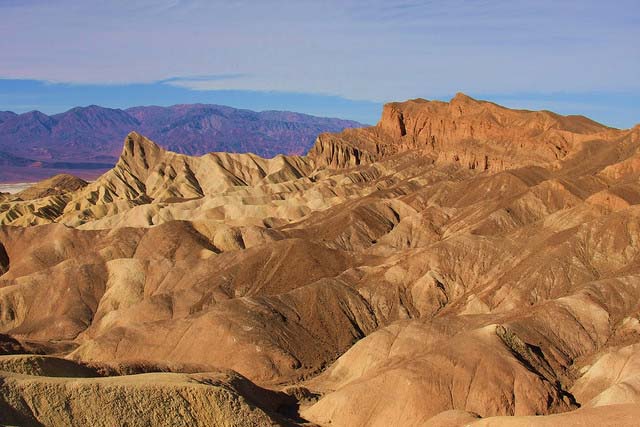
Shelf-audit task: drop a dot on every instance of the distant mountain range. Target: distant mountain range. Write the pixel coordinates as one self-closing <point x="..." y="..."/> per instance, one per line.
<point x="87" y="141"/>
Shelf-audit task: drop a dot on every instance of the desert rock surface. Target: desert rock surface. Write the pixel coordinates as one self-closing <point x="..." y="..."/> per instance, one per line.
<point x="457" y="264"/>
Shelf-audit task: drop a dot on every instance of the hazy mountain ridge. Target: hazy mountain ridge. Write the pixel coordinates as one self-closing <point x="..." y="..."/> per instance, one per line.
<point x="68" y="142"/>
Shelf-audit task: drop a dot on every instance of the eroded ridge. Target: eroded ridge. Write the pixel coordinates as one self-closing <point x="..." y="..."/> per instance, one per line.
<point x="457" y="264"/>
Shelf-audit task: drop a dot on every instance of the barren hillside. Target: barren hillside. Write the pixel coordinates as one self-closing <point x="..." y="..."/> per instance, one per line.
<point x="457" y="264"/>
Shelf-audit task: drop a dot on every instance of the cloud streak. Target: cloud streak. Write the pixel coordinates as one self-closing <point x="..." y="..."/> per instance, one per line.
<point x="364" y="50"/>
<point x="186" y="80"/>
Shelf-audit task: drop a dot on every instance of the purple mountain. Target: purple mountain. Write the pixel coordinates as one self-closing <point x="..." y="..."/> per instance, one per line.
<point x="86" y="141"/>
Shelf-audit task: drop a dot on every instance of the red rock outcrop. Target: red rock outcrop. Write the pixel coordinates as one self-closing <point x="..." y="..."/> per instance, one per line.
<point x="478" y="135"/>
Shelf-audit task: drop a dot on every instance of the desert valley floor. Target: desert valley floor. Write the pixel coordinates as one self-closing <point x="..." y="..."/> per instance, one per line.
<point x="457" y="264"/>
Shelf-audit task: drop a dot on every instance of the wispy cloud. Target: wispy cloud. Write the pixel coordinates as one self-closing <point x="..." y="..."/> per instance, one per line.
<point x="186" y="80"/>
<point x="369" y="50"/>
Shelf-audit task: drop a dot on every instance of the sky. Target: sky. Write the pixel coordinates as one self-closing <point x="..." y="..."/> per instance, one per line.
<point x="334" y="58"/>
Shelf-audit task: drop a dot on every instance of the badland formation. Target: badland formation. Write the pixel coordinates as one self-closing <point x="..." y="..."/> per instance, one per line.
<point x="459" y="263"/>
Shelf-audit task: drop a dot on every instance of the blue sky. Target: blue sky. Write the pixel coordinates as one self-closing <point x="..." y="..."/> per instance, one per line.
<point x="335" y="58"/>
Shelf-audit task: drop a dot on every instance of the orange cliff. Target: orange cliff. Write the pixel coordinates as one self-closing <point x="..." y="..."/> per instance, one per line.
<point x="478" y="135"/>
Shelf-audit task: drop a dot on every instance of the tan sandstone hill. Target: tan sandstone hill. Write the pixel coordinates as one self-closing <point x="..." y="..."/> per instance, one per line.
<point x="457" y="264"/>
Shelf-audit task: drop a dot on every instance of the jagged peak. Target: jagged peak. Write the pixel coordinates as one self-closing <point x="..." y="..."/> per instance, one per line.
<point x="135" y="139"/>
<point x="140" y="150"/>
<point x="462" y="98"/>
